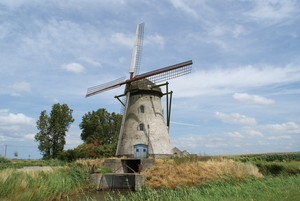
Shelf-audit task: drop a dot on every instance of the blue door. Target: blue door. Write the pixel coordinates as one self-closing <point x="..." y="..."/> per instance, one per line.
<point x="140" y="151"/>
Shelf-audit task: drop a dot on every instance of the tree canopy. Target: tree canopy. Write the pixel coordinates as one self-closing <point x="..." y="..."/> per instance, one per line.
<point x="102" y="127"/>
<point x="53" y="130"/>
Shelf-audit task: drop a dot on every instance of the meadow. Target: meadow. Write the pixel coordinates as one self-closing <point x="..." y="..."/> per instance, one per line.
<point x="62" y="180"/>
<point x="272" y="177"/>
<point x="240" y="177"/>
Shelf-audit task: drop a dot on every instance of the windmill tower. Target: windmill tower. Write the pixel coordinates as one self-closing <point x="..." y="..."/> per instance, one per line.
<point x="144" y="131"/>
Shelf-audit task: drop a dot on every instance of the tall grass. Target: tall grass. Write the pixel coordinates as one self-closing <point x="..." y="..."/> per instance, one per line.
<point x="20" y="163"/>
<point x="226" y="189"/>
<point x="271" y="157"/>
<point x="39" y="185"/>
<point x="276" y="168"/>
<point x="166" y="173"/>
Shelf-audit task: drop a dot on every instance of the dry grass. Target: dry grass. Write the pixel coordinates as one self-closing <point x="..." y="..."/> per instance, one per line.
<point x="91" y="164"/>
<point x="166" y="173"/>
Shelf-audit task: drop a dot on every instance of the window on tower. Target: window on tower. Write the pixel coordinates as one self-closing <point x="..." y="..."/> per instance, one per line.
<point x="142" y="109"/>
<point x="141" y="127"/>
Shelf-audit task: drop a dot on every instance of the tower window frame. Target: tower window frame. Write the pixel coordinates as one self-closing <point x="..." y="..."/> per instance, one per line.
<point x="142" y="109"/>
<point x="141" y="127"/>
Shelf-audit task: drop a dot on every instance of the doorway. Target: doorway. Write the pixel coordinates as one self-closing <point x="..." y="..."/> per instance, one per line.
<point x="140" y="151"/>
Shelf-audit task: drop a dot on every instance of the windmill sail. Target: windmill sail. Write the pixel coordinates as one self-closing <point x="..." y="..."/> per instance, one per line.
<point x="167" y="73"/>
<point x="137" y="50"/>
<point x="104" y="87"/>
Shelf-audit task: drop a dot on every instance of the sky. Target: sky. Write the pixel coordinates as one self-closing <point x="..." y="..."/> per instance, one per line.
<point x="242" y="96"/>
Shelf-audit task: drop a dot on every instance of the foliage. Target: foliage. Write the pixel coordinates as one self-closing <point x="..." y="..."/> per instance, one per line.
<point x="105" y="170"/>
<point x="4" y="159"/>
<point x="39" y="185"/>
<point x="269" y="188"/>
<point x="273" y="157"/>
<point x="93" y="150"/>
<point x="272" y="168"/>
<point x="53" y="130"/>
<point x="100" y="125"/>
<point x="100" y="130"/>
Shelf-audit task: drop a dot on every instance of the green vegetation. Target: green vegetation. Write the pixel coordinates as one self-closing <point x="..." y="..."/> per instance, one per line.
<point x="40" y="185"/>
<point x="273" y="163"/>
<point x="20" y="163"/>
<point x="52" y="130"/>
<point x="102" y="128"/>
<point x="188" y="178"/>
<point x="272" y="157"/>
<point x="4" y="159"/>
<point x="226" y="189"/>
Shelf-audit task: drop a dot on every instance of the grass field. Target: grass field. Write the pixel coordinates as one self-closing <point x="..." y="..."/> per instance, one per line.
<point x="239" y="177"/>
<point x="227" y="189"/>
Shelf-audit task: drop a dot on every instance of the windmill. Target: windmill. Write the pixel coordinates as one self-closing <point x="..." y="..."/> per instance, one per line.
<point x="144" y="131"/>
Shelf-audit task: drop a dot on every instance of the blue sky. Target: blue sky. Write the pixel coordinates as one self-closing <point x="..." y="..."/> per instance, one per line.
<point x="241" y="97"/>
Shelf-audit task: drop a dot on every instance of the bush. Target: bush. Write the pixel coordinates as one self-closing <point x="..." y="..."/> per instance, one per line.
<point x="271" y="168"/>
<point x="275" y="157"/>
<point x="4" y="159"/>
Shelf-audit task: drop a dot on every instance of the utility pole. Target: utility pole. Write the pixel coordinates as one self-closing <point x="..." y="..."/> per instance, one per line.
<point x="5" y="149"/>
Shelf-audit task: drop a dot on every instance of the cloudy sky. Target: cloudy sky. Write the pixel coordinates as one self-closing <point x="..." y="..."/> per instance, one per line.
<point x="241" y="97"/>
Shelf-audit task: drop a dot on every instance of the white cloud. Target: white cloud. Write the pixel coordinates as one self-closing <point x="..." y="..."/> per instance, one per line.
<point x="15" y="94"/>
<point x="57" y="37"/>
<point x="12" y="119"/>
<point x="236" y="118"/>
<point x="156" y="39"/>
<point x="21" y="86"/>
<point x="279" y="137"/>
<point x="185" y="124"/>
<point x="90" y="61"/>
<point x="73" y="67"/>
<point x="285" y="128"/>
<point x="254" y="99"/>
<point x="234" y="135"/>
<point x="15" y="126"/>
<point x="274" y="11"/>
<point x="120" y="38"/>
<point x="254" y="133"/>
<point x="182" y="5"/>
<point x="122" y="59"/>
<point x="223" y="80"/>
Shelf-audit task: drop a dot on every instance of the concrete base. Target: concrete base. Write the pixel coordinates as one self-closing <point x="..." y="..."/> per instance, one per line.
<point x="111" y="181"/>
<point x="126" y="174"/>
<point x="120" y="166"/>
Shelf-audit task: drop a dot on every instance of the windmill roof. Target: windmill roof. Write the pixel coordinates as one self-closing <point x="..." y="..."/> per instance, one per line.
<point x="144" y="85"/>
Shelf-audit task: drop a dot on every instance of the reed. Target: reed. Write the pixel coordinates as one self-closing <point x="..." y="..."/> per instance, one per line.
<point x="39" y="185"/>
<point x="166" y="173"/>
<point x="256" y="189"/>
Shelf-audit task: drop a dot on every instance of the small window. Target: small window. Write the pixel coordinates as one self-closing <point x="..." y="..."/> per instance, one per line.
<point x="141" y="127"/>
<point x="137" y="150"/>
<point x="142" y="109"/>
<point x="144" y="150"/>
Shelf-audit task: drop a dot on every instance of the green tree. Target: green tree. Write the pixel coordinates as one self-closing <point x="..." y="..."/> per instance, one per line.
<point x="53" y="130"/>
<point x="101" y="126"/>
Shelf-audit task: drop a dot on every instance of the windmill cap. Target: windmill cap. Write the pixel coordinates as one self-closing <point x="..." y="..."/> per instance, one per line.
<point x="144" y="85"/>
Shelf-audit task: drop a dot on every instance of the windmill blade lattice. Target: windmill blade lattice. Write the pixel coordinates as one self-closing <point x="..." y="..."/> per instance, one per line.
<point x="122" y="110"/>
<point x="137" y="50"/>
<point x="104" y="87"/>
<point x="167" y="73"/>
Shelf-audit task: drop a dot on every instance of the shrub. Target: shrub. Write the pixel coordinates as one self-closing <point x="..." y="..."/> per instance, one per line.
<point x="4" y="159"/>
